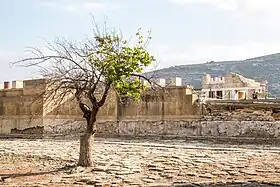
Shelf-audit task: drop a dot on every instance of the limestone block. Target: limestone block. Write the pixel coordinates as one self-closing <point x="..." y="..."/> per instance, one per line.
<point x="17" y="84"/>
<point x="127" y="128"/>
<point x="189" y="91"/>
<point x="182" y="128"/>
<point x="5" y="128"/>
<point x="34" y="87"/>
<point x="13" y="93"/>
<point x="63" y="126"/>
<point x="176" y="81"/>
<point x="262" y="129"/>
<point x="107" y="128"/>
<point x="210" y="128"/>
<point x="7" y="125"/>
<point x="148" y="128"/>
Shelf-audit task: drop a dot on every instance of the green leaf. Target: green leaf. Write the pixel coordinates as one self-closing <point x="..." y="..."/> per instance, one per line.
<point x="117" y="60"/>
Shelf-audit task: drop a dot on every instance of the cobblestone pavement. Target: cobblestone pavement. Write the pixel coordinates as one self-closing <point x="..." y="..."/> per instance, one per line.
<point x="136" y="163"/>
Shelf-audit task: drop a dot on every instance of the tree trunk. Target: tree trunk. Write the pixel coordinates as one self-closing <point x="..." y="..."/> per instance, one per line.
<point x="86" y="144"/>
<point x="86" y="140"/>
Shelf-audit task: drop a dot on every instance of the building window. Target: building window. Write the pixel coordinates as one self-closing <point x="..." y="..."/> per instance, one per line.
<point x="219" y="95"/>
<point x="211" y="94"/>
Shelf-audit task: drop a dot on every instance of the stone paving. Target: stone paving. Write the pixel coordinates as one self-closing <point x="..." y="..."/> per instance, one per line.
<point x="139" y="163"/>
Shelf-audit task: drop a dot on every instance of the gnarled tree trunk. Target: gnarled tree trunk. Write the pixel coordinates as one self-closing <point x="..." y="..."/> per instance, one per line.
<point x="86" y="141"/>
<point x="86" y="145"/>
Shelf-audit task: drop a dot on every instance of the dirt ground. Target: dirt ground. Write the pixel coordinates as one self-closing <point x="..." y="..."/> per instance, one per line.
<point x="138" y="163"/>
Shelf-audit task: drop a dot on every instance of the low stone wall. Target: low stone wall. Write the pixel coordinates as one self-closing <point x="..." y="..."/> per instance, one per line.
<point x="64" y="126"/>
<point x="245" y="123"/>
<point x="256" y="129"/>
<point x="178" y="129"/>
<point x="20" y="125"/>
<point x="38" y="130"/>
<point x="241" y="115"/>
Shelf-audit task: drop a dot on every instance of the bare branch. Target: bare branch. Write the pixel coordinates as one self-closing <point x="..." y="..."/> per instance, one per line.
<point x="147" y="79"/>
<point x="104" y="96"/>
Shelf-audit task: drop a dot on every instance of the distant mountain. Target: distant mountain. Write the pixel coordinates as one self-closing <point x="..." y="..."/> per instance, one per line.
<point x="259" y="68"/>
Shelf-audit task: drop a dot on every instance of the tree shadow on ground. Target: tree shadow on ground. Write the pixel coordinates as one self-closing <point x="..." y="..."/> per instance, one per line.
<point x="232" y="184"/>
<point x="207" y="184"/>
<point x="14" y="175"/>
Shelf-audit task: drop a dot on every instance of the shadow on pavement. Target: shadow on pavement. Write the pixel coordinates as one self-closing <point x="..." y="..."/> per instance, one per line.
<point x="232" y="184"/>
<point x="14" y="175"/>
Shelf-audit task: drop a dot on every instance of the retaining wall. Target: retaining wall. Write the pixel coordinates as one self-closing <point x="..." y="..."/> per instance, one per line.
<point x="178" y="129"/>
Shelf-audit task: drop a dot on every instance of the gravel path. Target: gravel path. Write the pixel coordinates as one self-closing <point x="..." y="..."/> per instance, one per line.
<point x="136" y="163"/>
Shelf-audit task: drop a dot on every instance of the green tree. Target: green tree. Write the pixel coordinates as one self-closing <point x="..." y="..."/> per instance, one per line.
<point x="89" y="70"/>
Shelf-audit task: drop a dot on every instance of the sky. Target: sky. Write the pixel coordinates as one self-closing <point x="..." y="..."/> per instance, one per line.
<point x="183" y="31"/>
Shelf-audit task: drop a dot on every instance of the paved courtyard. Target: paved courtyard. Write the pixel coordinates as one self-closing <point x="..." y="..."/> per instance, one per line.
<point x="123" y="162"/>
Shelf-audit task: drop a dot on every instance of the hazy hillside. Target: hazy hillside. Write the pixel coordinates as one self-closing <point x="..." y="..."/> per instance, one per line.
<point x="259" y="68"/>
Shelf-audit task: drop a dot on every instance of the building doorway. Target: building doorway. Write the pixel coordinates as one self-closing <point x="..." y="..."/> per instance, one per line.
<point x="219" y="95"/>
<point x="241" y="95"/>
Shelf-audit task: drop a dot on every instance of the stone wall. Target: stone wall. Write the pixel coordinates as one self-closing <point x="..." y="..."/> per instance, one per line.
<point x="7" y="123"/>
<point x="39" y="130"/>
<point x="172" y="112"/>
<point x="241" y="115"/>
<point x="23" y="108"/>
<point x="173" y="102"/>
<point x="173" y="128"/>
<point x="239" y="123"/>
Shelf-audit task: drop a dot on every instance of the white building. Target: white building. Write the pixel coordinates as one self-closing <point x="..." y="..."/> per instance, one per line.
<point x="232" y="87"/>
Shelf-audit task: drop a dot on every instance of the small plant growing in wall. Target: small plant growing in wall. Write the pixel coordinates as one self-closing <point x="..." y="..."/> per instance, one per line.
<point x="89" y="71"/>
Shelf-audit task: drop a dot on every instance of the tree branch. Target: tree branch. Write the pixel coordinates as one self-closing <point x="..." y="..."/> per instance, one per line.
<point x="145" y="78"/>
<point x="104" y="96"/>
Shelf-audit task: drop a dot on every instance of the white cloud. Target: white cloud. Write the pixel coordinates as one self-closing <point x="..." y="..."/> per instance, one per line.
<point x="77" y="5"/>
